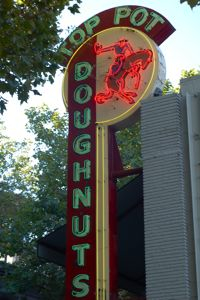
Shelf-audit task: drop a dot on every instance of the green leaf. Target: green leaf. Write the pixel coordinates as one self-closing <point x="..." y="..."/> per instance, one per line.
<point x="39" y="205"/>
<point x="36" y="92"/>
<point x="2" y="106"/>
<point x="74" y="9"/>
<point x="51" y="79"/>
<point x="4" y="86"/>
<point x="34" y="30"/>
<point x="191" y="3"/>
<point x="23" y="95"/>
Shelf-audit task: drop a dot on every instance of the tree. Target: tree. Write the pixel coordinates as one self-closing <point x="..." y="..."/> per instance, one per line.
<point x="191" y="3"/>
<point x="129" y="143"/>
<point x="30" y="38"/>
<point x="168" y="86"/>
<point x="33" y="202"/>
<point x="33" y="195"/>
<point x="129" y="139"/>
<point x="190" y="73"/>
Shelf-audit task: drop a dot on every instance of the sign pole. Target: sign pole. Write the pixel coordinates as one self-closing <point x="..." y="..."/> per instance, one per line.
<point x="102" y="217"/>
<point x="113" y="62"/>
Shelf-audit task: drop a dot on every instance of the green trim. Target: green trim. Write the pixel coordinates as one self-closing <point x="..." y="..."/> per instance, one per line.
<point x="76" y="226"/>
<point x="82" y="144"/>
<point x="77" y="170"/>
<point x="82" y="286"/>
<point x="121" y="12"/>
<point x="81" y="253"/>
<point x="73" y="36"/>
<point x="82" y="70"/>
<point x="156" y="18"/>
<point x="82" y="93"/>
<point x="82" y="121"/>
<point x="91" y="23"/>
<point x="143" y="17"/>
<point x="84" y="198"/>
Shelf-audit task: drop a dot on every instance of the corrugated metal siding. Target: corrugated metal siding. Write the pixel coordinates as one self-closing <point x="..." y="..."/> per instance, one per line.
<point x="167" y="212"/>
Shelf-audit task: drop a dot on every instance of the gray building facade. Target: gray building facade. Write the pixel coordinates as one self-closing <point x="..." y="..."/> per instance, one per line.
<point x="171" y="161"/>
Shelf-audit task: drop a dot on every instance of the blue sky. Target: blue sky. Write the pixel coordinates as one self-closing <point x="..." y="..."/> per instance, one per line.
<point x="181" y="51"/>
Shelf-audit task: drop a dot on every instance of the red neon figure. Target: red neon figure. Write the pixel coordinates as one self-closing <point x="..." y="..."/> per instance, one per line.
<point x="126" y="62"/>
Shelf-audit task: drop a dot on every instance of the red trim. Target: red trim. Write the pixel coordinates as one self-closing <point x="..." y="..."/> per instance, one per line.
<point x="115" y="171"/>
<point x="159" y="33"/>
<point x="72" y="269"/>
<point x="114" y="162"/>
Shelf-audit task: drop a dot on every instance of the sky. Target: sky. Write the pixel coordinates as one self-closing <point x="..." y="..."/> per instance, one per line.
<point x="181" y="51"/>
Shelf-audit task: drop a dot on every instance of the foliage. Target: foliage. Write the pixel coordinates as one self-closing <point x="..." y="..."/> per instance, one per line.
<point x="168" y="88"/>
<point x="33" y="202"/>
<point x="129" y="143"/>
<point x="30" y="37"/>
<point x="125" y="295"/>
<point x="191" y="3"/>
<point x="33" y="195"/>
<point x="129" y="139"/>
<point x="50" y="131"/>
<point x="190" y="73"/>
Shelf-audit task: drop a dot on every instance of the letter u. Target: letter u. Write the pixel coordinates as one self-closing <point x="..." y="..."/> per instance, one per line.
<point x="76" y="226"/>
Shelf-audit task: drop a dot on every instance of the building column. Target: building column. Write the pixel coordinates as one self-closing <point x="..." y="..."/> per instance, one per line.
<point x="169" y="245"/>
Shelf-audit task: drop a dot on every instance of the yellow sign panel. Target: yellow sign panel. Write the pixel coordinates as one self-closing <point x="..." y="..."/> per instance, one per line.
<point x="129" y="67"/>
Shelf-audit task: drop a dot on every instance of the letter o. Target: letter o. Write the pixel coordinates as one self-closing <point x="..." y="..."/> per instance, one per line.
<point x="77" y="37"/>
<point x="142" y="19"/>
<point x="82" y="93"/>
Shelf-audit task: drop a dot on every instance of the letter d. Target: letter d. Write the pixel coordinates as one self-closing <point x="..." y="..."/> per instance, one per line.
<point x="82" y="70"/>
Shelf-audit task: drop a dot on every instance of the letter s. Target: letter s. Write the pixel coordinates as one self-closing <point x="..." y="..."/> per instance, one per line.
<point x="82" y="286"/>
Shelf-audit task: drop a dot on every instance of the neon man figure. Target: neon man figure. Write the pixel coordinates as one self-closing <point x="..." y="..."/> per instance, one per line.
<point x="127" y="62"/>
<point x="121" y="49"/>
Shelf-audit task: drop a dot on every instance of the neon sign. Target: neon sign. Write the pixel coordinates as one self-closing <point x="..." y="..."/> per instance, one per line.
<point x="81" y="229"/>
<point x="112" y="63"/>
<point x="144" y="19"/>
<point x="126" y="62"/>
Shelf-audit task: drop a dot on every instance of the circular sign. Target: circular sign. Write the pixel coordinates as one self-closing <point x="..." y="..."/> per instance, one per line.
<point x="129" y="67"/>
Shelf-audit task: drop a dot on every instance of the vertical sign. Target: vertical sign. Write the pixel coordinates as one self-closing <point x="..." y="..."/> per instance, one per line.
<point x="112" y="63"/>
<point x="81" y="213"/>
